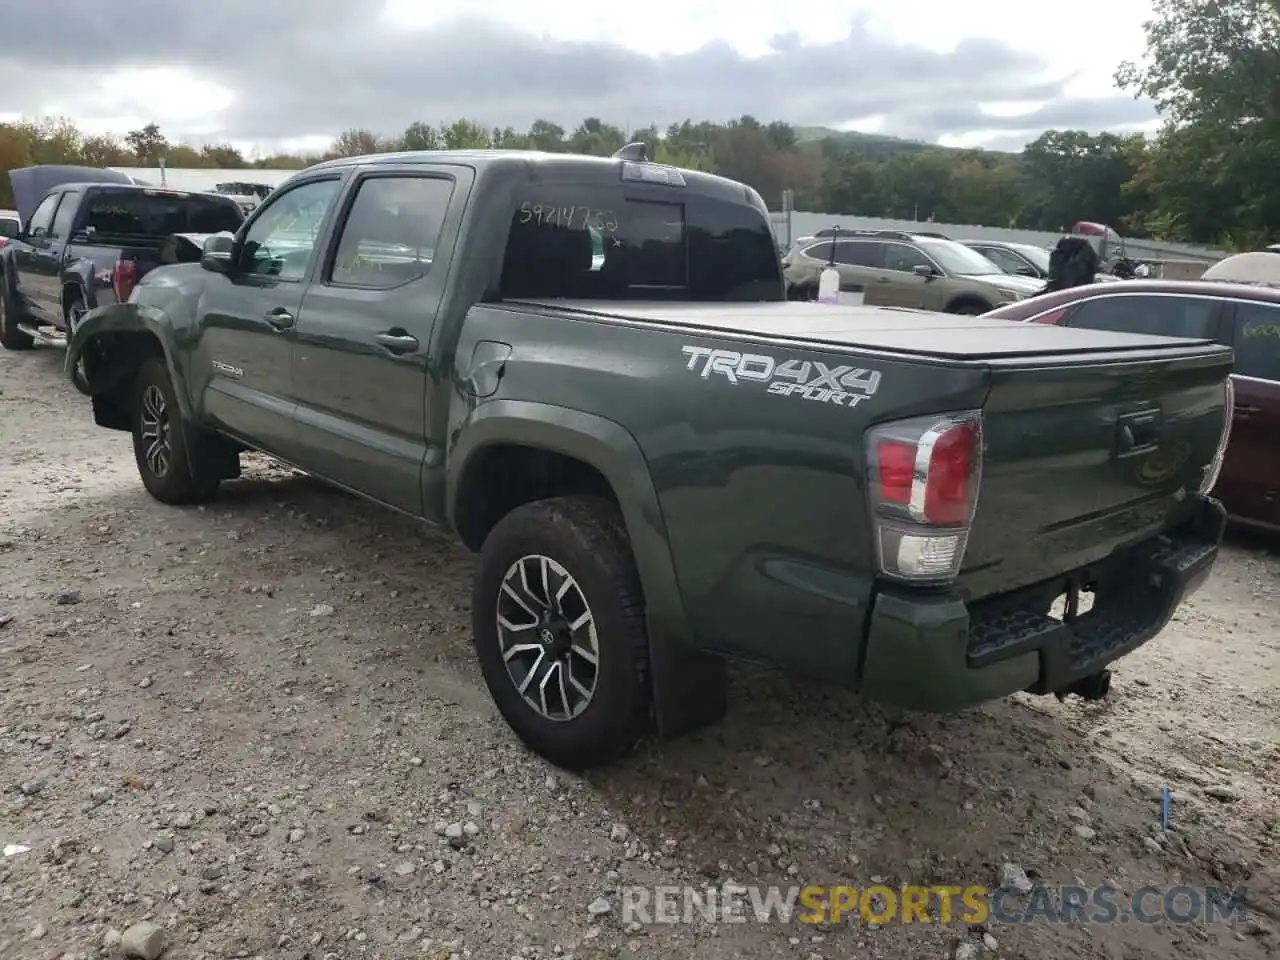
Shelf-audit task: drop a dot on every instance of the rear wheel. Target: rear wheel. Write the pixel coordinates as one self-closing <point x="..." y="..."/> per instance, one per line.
<point x="968" y="308"/>
<point x="11" y="338"/>
<point x="73" y="311"/>
<point x="160" y="440"/>
<point x="558" y="622"/>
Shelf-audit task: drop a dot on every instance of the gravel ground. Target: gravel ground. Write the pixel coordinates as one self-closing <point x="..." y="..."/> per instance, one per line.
<point x="258" y="726"/>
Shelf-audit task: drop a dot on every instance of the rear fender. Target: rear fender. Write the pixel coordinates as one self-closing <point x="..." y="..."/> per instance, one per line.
<point x="599" y="443"/>
<point x="79" y="279"/>
<point x="689" y="686"/>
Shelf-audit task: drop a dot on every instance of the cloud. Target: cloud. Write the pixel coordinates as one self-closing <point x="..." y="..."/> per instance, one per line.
<point x="318" y="70"/>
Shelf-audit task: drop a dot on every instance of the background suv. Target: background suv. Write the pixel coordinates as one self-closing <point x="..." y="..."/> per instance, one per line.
<point x="1020" y="259"/>
<point x="923" y="271"/>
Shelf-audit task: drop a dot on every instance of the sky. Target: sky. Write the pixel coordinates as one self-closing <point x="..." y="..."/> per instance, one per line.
<point x="284" y="74"/>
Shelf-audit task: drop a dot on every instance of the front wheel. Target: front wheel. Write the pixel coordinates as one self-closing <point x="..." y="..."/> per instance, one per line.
<point x="969" y="308"/>
<point x="159" y="440"/>
<point x="558" y="622"/>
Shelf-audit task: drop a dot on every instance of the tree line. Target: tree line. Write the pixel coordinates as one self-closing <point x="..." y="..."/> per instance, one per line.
<point x="1212" y="67"/>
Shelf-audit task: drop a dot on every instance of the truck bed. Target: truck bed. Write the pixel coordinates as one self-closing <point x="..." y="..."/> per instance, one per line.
<point x="1061" y="485"/>
<point x="901" y="332"/>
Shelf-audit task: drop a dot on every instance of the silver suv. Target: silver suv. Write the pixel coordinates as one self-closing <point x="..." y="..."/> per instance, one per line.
<point x="925" y="271"/>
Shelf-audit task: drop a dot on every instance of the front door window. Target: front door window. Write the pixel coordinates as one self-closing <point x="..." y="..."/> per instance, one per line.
<point x="281" y="242"/>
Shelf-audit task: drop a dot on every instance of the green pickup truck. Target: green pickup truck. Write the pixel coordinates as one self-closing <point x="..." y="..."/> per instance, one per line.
<point x="588" y="371"/>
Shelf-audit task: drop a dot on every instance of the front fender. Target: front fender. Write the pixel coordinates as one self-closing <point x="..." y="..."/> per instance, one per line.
<point x="602" y="444"/>
<point x="121" y="318"/>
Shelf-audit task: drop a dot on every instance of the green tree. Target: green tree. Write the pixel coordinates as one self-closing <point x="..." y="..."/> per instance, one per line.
<point x="547" y="136"/>
<point x="223" y="155"/>
<point x="148" y="145"/>
<point x="421" y="136"/>
<point x="1213" y="69"/>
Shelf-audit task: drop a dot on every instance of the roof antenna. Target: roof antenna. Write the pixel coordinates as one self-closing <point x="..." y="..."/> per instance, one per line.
<point x="633" y="151"/>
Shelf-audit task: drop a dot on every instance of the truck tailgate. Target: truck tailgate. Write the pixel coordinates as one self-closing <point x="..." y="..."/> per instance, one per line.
<point x="1081" y="458"/>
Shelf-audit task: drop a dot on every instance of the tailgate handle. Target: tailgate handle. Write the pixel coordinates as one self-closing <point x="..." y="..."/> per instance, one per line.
<point x="1137" y="432"/>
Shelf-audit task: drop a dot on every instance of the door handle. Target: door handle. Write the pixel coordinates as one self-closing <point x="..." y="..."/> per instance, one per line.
<point x="397" y="342"/>
<point x="279" y="318"/>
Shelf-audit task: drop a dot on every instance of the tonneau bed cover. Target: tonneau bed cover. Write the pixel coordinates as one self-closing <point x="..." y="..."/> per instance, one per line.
<point x="945" y="337"/>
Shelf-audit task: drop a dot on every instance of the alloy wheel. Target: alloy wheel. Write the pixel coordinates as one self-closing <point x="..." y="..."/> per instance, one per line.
<point x="75" y="313"/>
<point x="154" y="430"/>
<point x="547" y="635"/>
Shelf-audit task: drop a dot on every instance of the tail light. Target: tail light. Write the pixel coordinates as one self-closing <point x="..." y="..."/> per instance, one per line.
<point x="923" y="482"/>
<point x="124" y="278"/>
<point x="1211" y="472"/>
<point x="3" y="241"/>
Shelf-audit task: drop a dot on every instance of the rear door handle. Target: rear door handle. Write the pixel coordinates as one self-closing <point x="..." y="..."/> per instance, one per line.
<point x="397" y="342"/>
<point x="280" y="318"/>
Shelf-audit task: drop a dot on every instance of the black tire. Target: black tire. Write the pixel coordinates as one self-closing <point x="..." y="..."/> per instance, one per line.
<point x="585" y="536"/>
<point x="73" y="310"/>
<point x="969" y="308"/>
<point x="11" y="338"/>
<point x="170" y="480"/>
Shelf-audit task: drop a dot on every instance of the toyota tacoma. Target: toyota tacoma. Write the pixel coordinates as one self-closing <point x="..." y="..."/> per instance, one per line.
<point x="587" y="370"/>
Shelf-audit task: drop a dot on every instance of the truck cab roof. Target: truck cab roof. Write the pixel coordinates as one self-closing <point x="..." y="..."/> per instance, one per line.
<point x="523" y="165"/>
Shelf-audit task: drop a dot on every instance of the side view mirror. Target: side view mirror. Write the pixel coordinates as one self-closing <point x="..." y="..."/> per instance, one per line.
<point x="1025" y="271"/>
<point x="217" y="255"/>
<point x="923" y="270"/>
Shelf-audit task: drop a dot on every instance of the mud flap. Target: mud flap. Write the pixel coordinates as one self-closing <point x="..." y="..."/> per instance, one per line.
<point x="690" y="688"/>
<point x="210" y="455"/>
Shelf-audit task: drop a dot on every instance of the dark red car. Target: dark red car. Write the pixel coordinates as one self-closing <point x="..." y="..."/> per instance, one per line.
<point x="1242" y="316"/>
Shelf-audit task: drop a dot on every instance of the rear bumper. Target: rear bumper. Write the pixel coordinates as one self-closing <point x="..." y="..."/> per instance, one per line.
<point x="937" y="653"/>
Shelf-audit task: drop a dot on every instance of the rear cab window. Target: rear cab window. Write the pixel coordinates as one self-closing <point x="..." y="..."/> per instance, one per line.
<point x="9" y="227"/>
<point x="1161" y="316"/>
<point x="616" y="241"/>
<point x="126" y="214"/>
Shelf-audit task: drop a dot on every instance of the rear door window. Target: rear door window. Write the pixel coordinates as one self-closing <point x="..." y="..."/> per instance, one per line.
<point x="820" y="251"/>
<point x="1161" y="316"/>
<point x="389" y="237"/>
<point x="607" y="242"/>
<point x="1257" y="341"/>
<point x="860" y="253"/>
<point x="64" y="219"/>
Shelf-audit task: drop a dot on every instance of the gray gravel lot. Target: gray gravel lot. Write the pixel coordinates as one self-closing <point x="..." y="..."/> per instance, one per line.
<point x="258" y="727"/>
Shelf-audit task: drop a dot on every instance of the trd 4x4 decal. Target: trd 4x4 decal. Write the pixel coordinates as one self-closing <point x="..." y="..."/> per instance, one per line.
<point x="841" y="385"/>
